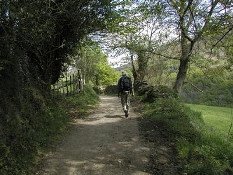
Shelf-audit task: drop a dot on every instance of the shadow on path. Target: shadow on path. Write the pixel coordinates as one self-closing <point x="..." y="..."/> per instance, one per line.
<point x="105" y="143"/>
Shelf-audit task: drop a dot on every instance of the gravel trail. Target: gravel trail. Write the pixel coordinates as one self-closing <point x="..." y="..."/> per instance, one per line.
<point x="104" y="143"/>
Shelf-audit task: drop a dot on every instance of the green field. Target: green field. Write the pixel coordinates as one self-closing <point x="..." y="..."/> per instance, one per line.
<point x="219" y="118"/>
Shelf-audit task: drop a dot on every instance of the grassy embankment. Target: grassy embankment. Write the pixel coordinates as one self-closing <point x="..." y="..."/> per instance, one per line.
<point x="82" y="103"/>
<point x="42" y="123"/>
<point x="219" y="119"/>
<point x="201" y="147"/>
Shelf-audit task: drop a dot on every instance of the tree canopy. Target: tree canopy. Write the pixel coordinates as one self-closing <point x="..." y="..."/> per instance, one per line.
<point x="169" y="25"/>
<point x="94" y="64"/>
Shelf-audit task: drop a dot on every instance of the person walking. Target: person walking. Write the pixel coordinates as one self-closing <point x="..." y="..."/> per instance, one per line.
<point x="125" y="88"/>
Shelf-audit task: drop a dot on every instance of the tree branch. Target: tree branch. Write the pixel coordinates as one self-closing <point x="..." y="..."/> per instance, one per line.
<point x="194" y="86"/>
<point x="193" y="18"/>
<point x="207" y="19"/>
<point x="187" y="7"/>
<point x="182" y="16"/>
<point x="230" y="29"/>
<point x="166" y="56"/>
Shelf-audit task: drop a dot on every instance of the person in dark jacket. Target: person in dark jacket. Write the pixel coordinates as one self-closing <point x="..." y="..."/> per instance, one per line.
<point x="125" y="88"/>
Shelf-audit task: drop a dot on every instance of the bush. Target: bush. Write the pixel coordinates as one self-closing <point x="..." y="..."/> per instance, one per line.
<point x="87" y="96"/>
<point x="98" y="89"/>
<point x="111" y="90"/>
<point x="152" y="93"/>
<point x="39" y="122"/>
<point x="211" y="155"/>
<point x="27" y="130"/>
<point x="175" y="120"/>
<point x="159" y="92"/>
<point x="200" y="151"/>
<point x="215" y="87"/>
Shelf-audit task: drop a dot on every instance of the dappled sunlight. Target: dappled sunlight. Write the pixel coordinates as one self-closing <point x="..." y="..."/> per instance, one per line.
<point x="99" y="121"/>
<point x="103" y="143"/>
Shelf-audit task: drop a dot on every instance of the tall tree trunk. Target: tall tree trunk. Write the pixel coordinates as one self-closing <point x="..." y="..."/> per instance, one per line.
<point x="135" y="75"/>
<point x="181" y="75"/>
<point x="186" y="52"/>
<point x="142" y="66"/>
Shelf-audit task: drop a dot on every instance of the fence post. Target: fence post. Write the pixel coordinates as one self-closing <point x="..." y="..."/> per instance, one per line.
<point x="62" y="86"/>
<point x="67" y="87"/>
<point x="80" y="84"/>
<point x="70" y="87"/>
<point x="73" y="83"/>
<point x="69" y="84"/>
<point x="56" y="89"/>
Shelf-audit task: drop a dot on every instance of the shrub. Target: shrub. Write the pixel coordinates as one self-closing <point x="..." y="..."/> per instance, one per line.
<point x="83" y="101"/>
<point x="211" y="155"/>
<point x="175" y="120"/>
<point x="111" y="90"/>
<point x="27" y="129"/>
<point x="199" y="150"/>
<point x="215" y="87"/>
<point x="152" y="93"/>
<point x="98" y="89"/>
<point x="39" y="122"/>
<point x="156" y="92"/>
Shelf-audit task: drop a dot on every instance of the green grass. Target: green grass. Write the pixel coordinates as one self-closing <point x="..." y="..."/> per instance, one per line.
<point x="218" y="118"/>
<point x="83" y="101"/>
<point x="200" y="145"/>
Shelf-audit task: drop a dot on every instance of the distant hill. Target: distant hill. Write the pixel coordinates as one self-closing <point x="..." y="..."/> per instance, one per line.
<point x="123" y="67"/>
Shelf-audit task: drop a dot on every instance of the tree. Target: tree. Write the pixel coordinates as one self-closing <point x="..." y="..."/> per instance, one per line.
<point x="94" y="65"/>
<point x="134" y="39"/>
<point x="35" y="39"/>
<point x="189" y="20"/>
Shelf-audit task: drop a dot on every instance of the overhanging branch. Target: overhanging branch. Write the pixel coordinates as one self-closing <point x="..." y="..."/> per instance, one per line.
<point x="225" y="34"/>
<point x="166" y="56"/>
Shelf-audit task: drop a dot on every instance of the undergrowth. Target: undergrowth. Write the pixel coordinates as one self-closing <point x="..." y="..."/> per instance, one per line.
<point x="27" y="131"/>
<point x="82" y="102"/>
<point x="199" y="150"/>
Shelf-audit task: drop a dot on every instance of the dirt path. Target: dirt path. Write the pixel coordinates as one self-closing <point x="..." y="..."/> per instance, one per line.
<point x="105" y="143"/>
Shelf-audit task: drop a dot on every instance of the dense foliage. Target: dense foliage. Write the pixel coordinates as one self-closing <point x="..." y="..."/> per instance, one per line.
<point x="42" y="33"/>
<point x="94" y="64"/>
<point x="43" y="122"/>
<point x="213" y="86"/>
<point x="36" y="125"/>
<point x="172" y="30"/>
<point x="209" y="78"/>
<point x="36" y="38"/>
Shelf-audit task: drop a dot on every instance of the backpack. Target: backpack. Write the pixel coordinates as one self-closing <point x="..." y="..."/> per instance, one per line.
<point x="125" y="84"/>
